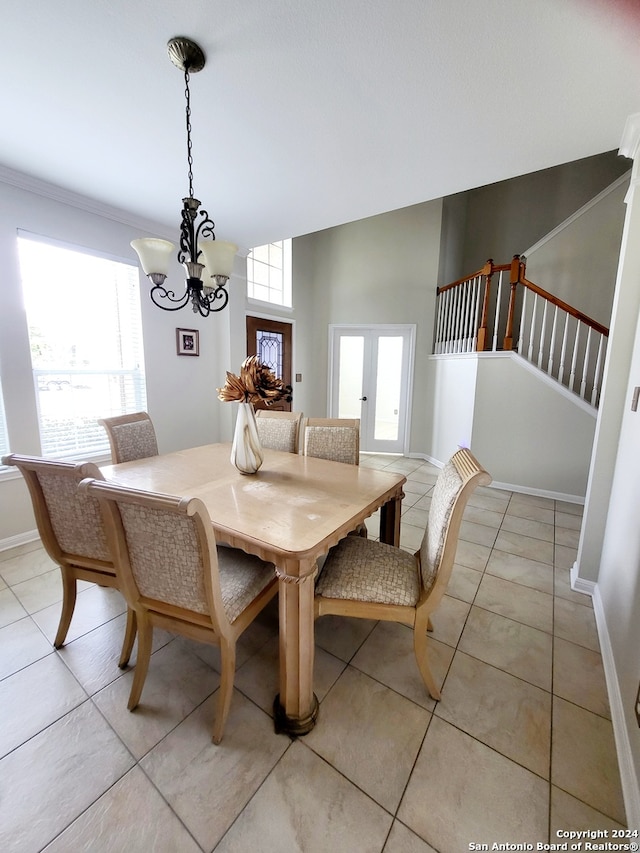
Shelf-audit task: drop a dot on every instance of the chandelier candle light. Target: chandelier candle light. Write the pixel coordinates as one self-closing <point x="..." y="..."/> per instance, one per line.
<point x="256" y="384"/>
<point x="208" y="262"/>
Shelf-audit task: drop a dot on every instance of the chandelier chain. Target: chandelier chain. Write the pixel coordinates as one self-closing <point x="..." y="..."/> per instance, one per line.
<point x="196" y="228"/>
<point x="188" y="117"/>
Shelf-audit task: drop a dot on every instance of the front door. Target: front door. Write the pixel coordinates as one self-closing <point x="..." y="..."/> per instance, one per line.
<point x="271" y="341"/>
<point x="370" y="374"/>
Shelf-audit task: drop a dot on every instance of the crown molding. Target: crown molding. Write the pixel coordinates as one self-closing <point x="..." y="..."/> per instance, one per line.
<point x="630" y="137"/>
<point x="623" y="179"/>
<point x="55" y="193"/>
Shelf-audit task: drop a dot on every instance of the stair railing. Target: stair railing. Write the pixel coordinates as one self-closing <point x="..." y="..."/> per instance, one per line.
<point x="560" y="340"/>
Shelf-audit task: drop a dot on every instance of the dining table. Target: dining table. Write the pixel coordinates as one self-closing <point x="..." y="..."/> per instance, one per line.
<point x="289" y="513"/>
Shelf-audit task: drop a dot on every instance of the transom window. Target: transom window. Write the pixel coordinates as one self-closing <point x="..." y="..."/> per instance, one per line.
<point x="85" y="332"/>
<point x="269" y="273"/>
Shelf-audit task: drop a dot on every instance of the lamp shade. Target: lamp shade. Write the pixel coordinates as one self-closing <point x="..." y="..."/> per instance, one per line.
<point x="218" y="255"/>
<point x="154" y="254"/>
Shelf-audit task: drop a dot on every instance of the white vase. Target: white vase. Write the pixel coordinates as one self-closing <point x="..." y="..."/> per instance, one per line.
<point x="246" y="450"/>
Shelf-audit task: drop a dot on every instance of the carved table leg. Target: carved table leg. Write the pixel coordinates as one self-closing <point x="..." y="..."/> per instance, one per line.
<point x="390" y="520"/>
<point x="296" y="706"/>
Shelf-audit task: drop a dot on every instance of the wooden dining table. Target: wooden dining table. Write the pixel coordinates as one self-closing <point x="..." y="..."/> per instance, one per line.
<point x="289" y="513"/>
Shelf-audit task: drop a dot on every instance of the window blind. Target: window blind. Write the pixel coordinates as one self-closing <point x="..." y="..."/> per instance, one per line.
<point x="85" y="332"/>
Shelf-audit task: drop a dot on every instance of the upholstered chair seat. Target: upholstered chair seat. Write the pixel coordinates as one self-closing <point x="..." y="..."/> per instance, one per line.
<point x="370" y="571"/>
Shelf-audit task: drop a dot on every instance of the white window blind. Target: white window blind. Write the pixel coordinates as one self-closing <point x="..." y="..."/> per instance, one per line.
<point x="269" y="273"/>
<point x="85" y="331"/>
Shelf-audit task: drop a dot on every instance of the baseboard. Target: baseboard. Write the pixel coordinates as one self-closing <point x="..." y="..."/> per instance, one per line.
<point x="628" y="778"/>
<point x="512" y="487"/>
<point x="426" y="458"/>
<point x="18" y="539"/>
<point x="540" y="493"/>
<point x="579" y="584"/>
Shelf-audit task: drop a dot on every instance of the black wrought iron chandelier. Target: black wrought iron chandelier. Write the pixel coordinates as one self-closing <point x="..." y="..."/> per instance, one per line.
<point x="208" y="262"/>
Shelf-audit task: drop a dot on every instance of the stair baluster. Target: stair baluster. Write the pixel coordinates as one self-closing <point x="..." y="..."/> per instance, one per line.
<point x="463" y="324"/>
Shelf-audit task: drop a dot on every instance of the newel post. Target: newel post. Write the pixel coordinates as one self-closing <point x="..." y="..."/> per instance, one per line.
<point x="487" y="272"/>
<point x="514" y="278"/>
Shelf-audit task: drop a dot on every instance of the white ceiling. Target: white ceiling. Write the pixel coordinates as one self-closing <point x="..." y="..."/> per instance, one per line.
<point x="309" y="113"/>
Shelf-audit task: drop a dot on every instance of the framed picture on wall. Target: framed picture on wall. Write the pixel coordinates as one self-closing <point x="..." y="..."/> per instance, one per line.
<point x="188" y="341"/>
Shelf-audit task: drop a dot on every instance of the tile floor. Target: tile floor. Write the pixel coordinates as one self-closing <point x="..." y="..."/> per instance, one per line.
<point x="520" y="745"/>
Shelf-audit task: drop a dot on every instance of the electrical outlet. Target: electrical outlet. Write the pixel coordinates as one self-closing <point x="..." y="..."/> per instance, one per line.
<point x="634" y="399"/>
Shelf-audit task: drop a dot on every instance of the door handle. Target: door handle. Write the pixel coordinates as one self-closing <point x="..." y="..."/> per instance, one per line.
<point x="363" y="398"/>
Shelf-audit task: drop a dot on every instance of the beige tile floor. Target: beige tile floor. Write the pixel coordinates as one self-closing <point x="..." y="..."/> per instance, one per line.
<point x="520" y="745"/>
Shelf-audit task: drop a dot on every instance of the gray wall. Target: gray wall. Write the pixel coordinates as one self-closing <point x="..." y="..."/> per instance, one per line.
<point x="528" y="433"/>
<point x="578" y="262"/>
<point x="378" y="270"/>
<point x="506" y="218"/>
<point x="499" y="406"/>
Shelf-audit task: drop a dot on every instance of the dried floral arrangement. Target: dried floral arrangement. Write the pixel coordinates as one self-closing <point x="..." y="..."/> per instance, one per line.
<point x="256" y="384"/>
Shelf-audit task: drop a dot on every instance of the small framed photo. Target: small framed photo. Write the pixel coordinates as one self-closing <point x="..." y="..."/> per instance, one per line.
<point x="188" y="341"/>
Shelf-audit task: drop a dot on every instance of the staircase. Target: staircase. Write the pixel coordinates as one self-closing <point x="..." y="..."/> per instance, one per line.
<point x="497" y="308"/>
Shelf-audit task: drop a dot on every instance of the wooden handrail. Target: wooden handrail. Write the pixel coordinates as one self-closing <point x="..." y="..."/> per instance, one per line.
<point x="463" y="324"/>
<point x="597" y="327"/>
<point x="487" y="269"/>
<point x="517" y="269"/>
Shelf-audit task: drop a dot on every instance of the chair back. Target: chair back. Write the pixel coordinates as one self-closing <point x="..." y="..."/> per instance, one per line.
<point x="279" y="430"/>
<point x="455" y="483"/>
<point x="130" y="437"/>
<point x="165" y="552"/>
<point x="69" y="522"/>
<point x="337" y="439"/>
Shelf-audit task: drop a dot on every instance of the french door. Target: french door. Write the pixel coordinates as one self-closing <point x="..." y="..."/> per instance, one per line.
<point x="370" y="375"/>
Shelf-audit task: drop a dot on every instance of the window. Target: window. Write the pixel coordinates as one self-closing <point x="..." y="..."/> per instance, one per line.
<point x="85" y="332"/>
<point x="269" y="273"/>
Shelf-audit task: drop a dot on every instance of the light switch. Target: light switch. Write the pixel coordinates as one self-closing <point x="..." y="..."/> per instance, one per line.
<point x="634" y="399"/>
<point x="298" y="377"/>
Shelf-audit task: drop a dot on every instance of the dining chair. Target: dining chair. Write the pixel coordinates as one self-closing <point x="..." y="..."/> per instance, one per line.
<point x="174" y="577"/>
<point x="372" y="580"/>
<point x="337" y="439"/>
<point x="72" y="532"/>
<point x="130" y="437"/>
<point x="279" y="430"/>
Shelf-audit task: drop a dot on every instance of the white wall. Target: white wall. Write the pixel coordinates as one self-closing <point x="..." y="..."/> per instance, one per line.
<point x="529" y="433"/>
<point x="180" y="391"/>
<point x="450" y="415"/>
<point x="609" y="551"/>
<point x="618" y="588"/>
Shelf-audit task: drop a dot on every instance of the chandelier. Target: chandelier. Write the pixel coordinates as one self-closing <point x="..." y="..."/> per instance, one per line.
<point x="207" y="262"/>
